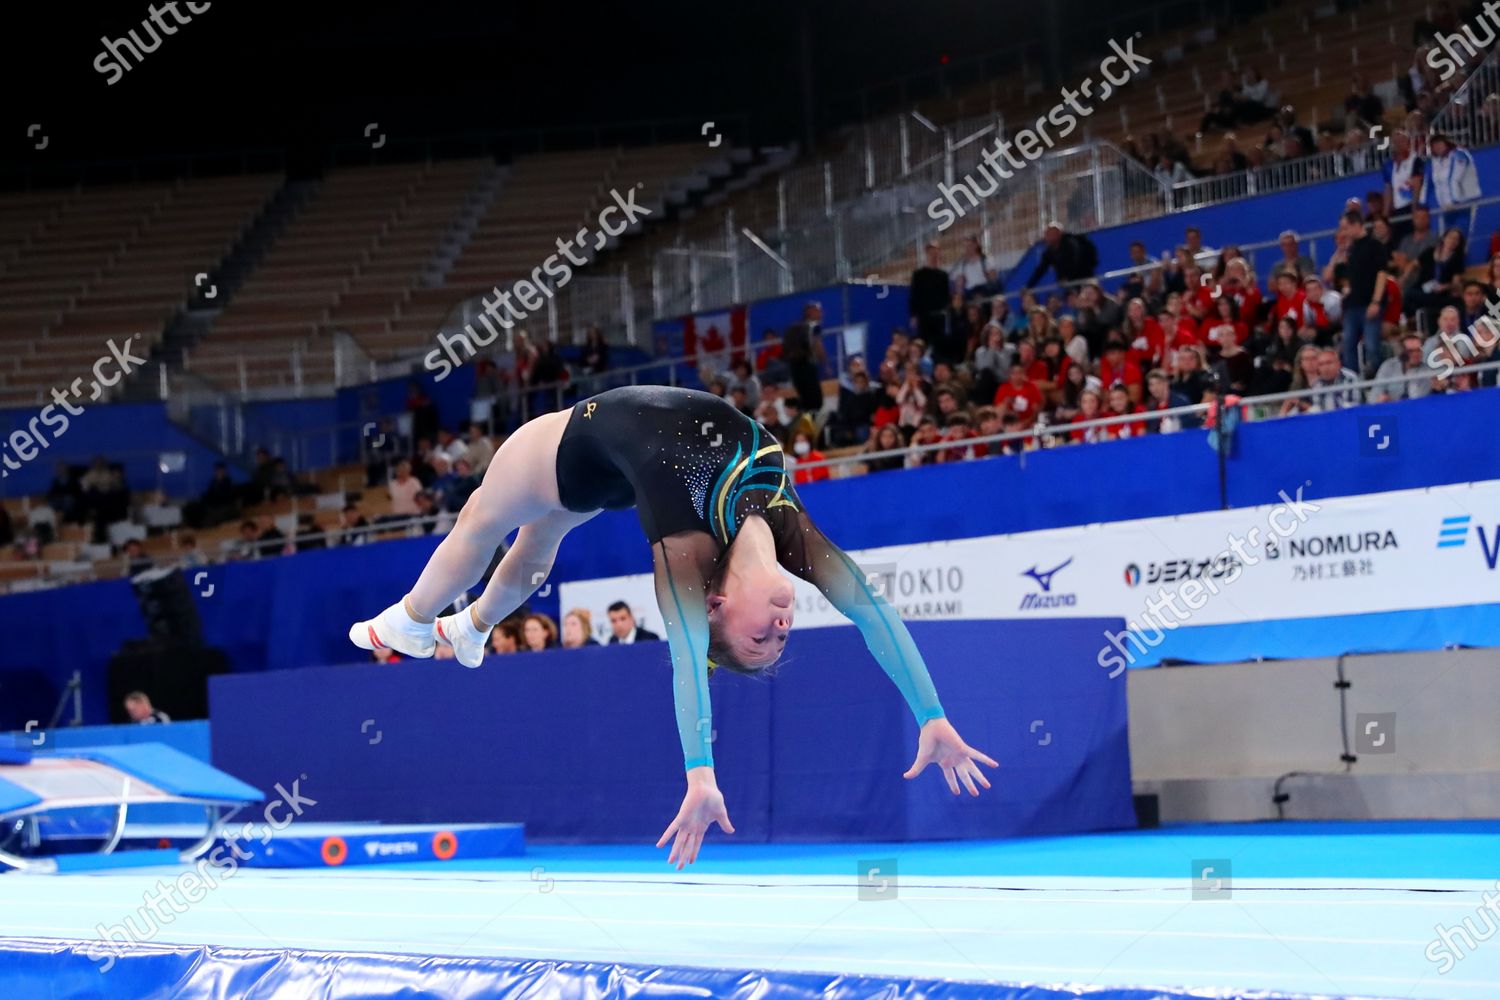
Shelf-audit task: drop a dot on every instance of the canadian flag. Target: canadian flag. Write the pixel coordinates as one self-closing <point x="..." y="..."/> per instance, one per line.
<point x="713" y="334"/>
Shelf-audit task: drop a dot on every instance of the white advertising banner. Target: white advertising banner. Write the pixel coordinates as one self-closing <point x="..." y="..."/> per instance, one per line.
<point x="1297" y="558"/>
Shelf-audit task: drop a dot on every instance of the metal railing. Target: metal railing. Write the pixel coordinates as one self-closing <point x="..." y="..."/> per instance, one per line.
<point x="1472" y="115"/>
<point x="232" y="425"/>
<point x="842" y="215"/>
<point x="54" y="573"/>
<point x="1250" y="408"/>
<point x="1280" y="176"/>
<point x="1308" y="243"/>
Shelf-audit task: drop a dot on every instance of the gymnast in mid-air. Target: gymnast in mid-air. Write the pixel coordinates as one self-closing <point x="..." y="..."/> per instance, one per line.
<point x="711" y="489"/>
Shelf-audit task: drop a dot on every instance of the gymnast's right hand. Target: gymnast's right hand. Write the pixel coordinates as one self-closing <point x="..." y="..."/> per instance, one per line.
<point x="702" y="806"/>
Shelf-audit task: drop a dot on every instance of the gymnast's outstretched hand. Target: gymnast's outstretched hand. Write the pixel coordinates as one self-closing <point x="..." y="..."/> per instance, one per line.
<point x="702" y="806"/>
<point x="940" y="744"/>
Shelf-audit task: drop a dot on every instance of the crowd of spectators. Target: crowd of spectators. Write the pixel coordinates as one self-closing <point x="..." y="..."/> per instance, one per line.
<point x="1195" y="325"/>
<point x="1258" y="131"/>
<point x="528" y="631"/>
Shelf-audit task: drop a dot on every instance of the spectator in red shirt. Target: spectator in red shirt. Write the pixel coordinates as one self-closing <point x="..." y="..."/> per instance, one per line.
<point x="1020" y="396"/>
<point x="802" y="448"/>
<point x="1224" y="321"/>
<point x="989" y="425"/>
<point x="1239" y="284"/>
<point x="1116" y="367"/>
<point x="959" y="429"/>
<point x="1088" y="409"/>
<point x="768" y="358"/>
<point x="927" y="433"/>
<point x="1054" y="362"/>
<point x="1141" y="332"/>
<point x="1120" y="404"/>
<point x="1026" y="359"/>
<point x="1178" y="333"/>
<point x="1292" y="301"/>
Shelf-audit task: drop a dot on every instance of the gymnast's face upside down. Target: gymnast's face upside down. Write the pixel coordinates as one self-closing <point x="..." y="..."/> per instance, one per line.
<point x="749" y="616"/>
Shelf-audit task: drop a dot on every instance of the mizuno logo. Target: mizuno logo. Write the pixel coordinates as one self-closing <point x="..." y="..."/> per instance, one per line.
<point x="1044" y="580"/>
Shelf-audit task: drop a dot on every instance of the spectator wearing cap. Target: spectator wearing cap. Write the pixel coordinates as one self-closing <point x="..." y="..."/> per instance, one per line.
<point x="1070" y="256"/>
<point x="928" y="296"/>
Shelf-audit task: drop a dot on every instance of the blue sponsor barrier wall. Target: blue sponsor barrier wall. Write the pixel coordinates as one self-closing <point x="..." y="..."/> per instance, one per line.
<point x="293" y="612"/>
<point x="581" y="745"/>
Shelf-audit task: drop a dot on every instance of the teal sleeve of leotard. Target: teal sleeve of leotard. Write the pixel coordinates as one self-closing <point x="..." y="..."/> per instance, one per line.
<point x="680" y="583"/>
<point x="807" y="552"/>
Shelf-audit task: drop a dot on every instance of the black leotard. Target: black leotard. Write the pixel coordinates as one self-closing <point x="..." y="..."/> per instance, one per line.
<point x="685" y="460"/>
<point x="695" y="469"/>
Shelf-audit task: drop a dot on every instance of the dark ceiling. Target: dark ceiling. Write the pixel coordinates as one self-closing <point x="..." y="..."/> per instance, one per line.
<point x="302" y="76"/>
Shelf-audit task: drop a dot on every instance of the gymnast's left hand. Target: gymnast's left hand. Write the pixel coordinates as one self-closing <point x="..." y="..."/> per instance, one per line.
<point x="940" y="744"/>
<point x="702" y="807"/>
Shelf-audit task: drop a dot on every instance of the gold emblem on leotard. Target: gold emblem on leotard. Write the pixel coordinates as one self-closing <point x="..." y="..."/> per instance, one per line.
<point x="589" y="408"/>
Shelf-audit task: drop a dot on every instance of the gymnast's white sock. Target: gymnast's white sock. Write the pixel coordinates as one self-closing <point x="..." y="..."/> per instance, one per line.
<point x="467" y="639"/>
<point x="394" y="627"/>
